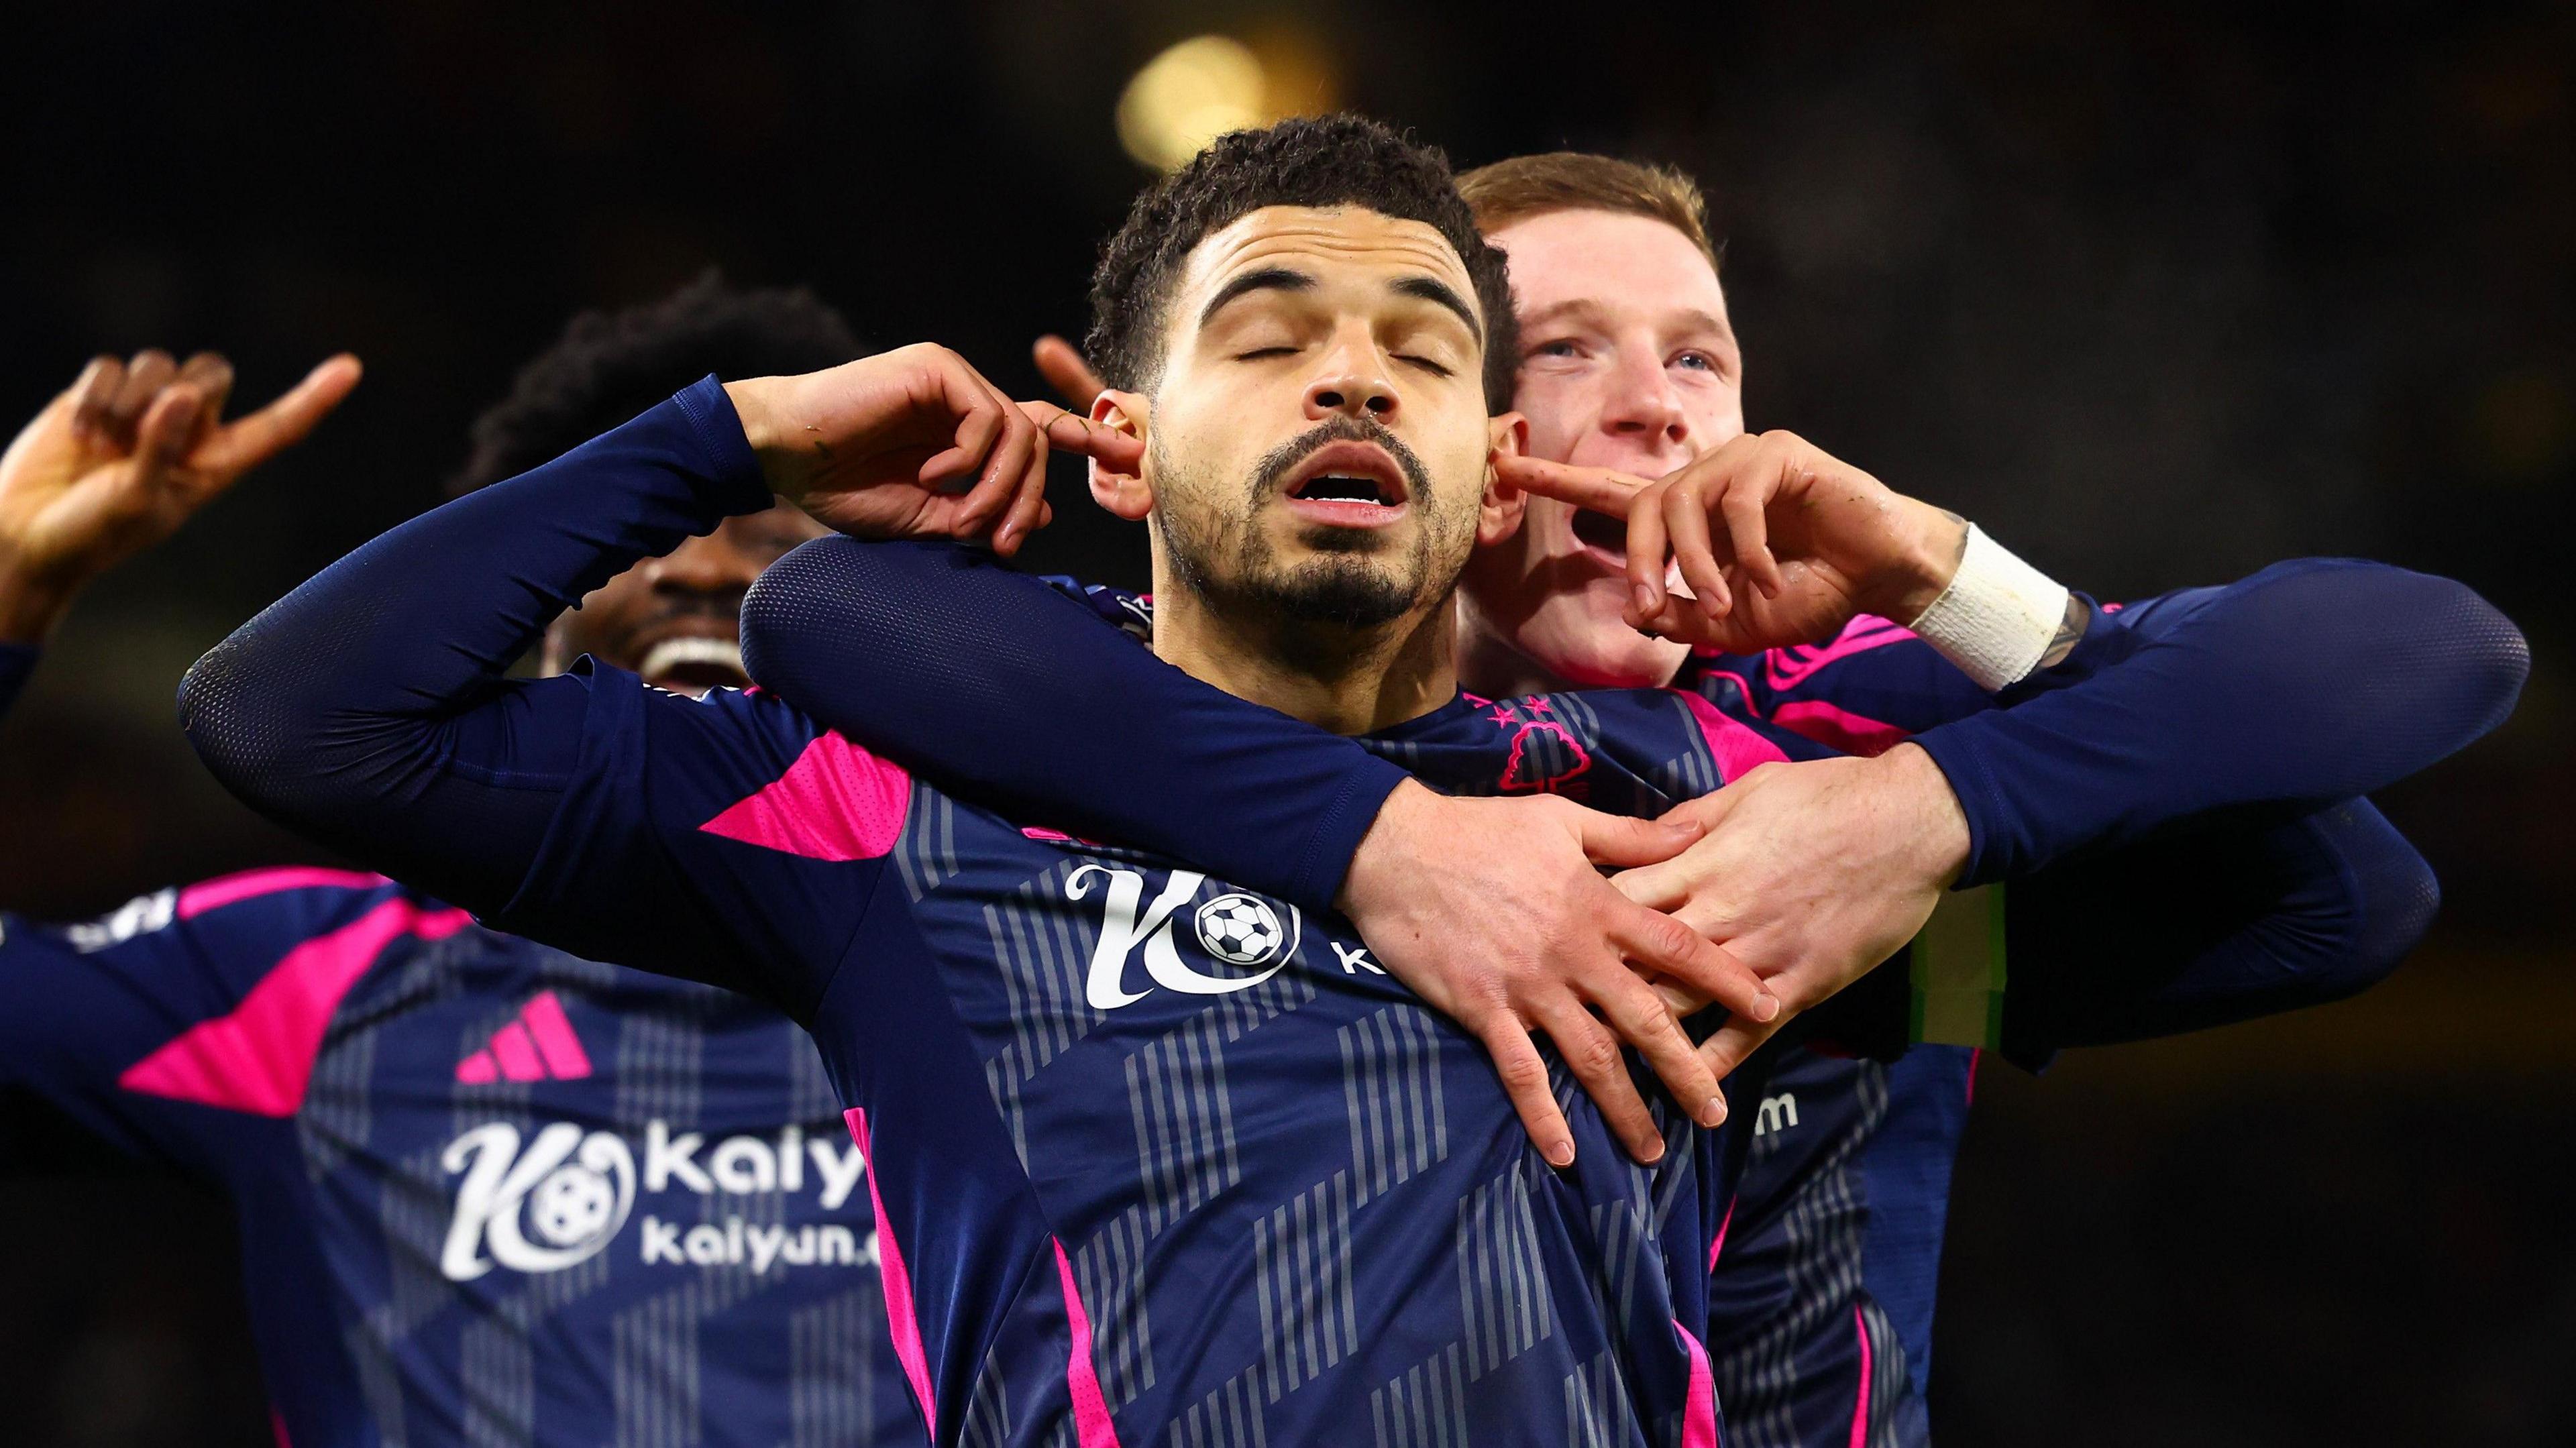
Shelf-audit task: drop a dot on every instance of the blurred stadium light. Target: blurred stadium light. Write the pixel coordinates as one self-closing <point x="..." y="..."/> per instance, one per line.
<point x="1205" y="86"/>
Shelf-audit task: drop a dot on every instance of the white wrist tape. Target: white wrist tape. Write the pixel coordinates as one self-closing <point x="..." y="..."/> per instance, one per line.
<point x="1997" y="617"/>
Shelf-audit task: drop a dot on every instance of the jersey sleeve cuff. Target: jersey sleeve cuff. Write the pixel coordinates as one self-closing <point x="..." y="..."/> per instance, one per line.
<point x="1981" y="802"/>
<point x="1336" y="836"/>
<point x="732" y="468"/>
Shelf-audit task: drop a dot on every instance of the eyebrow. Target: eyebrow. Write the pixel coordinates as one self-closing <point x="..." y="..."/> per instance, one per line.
<point x="1706" y="321"/>
<point x="1286" y="279"/>
<point x="1432" y="289"/>
<point x="1264" y="279"/>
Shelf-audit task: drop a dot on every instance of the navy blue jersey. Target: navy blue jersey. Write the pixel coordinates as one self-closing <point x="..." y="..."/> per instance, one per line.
<point x="1822" y="1288"/>
<point x="1090" y="1076"/>
<point x="1155" y="1153"/>
<point x="1822" y="1319"/>
<point x="487" y="1192"/>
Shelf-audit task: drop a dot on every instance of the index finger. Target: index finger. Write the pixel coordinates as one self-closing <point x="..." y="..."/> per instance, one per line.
<point x="243" y="445"/>
<point x="1736" y="1040"/>
<point x="1661" y="943"/>
<point x="1602" y="490"/>
<point x="1074" y="433"/>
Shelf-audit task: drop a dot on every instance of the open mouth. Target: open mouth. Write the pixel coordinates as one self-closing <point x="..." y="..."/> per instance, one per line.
<point x="1348" y="484"/>
<point x="1337" y="488"/>
<point x="1603" y="534"/>
<point x="691" y="664"/>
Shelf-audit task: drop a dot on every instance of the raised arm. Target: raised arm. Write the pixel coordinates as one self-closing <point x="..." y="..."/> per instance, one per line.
<point x="113" y="464"/>
<point x="2236" y="707"/>
<point x="368" y="709"/>
<point x="2309" y="682"/>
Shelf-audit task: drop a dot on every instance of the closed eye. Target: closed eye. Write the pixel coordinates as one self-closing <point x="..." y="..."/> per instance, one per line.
<point x="1436" y="369"/>
<point x="1257" y="353"/>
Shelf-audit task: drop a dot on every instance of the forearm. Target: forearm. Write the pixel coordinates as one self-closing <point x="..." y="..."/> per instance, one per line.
<point x="2305" y="684"/>
<point x="2211" y="928"/>
<point x="2204" y="929"/>
<point x="367" y="709"/>
<point x="951" y="665"/>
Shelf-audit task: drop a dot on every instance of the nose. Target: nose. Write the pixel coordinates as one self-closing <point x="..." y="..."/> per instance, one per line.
<point x="709" y="566"/>
<point x="1641" y="404"/>
<point x="1353" y="380"/>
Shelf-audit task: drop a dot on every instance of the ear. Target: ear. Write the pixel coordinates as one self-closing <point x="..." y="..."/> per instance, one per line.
<point x="1126" y="494"/>
<point x="1499" y="516"/>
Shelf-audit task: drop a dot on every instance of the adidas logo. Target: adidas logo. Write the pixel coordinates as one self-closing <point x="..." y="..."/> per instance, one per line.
<point x="537" y="1046"/>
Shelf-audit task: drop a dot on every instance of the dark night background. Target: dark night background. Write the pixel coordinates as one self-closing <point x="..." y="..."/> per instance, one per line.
<point x="2156" y="291"/>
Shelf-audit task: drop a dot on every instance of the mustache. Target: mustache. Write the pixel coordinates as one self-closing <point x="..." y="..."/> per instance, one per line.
<point x="1340" y="427"/>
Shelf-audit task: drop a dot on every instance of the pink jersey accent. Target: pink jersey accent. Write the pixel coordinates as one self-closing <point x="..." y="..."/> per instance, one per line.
<point x="538" y="1045"/>
<point x="551" y="1029"/>
<point x="1717" y="1243"/>
<point x="259" y="1058"/>
<point x="517" y="1054"/>
<point x="837" y="802"/>
<point x="1976" y="1057"/>
<point x="1737" y="748"/>
<point x="1832" y="724"/>
<point x="1092" y="1427"/>
<point x="225" y="890"/>
<point x="1699" y="1404"/>
<point x="1786" y="667"/>
<point x="1527" y="718"/>
<point x="277" y="1425"/>
<point x="1860" y="1405"/>
<point x="900" y="1318"/>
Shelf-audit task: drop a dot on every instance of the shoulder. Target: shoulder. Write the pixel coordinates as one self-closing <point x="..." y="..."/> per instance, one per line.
<point x="254" y="910"/>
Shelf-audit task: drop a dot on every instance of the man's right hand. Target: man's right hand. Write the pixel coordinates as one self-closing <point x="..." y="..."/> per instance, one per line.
<point x="1492" y="912"/>
<point x="914" y="443"/>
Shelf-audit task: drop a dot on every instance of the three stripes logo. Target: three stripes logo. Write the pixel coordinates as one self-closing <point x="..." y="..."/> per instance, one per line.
<point x="537" y="1046"/>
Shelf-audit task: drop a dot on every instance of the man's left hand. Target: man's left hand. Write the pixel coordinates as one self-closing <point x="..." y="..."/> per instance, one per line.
<point x="1810" y="873"/>
<point x="1779" y="541"/>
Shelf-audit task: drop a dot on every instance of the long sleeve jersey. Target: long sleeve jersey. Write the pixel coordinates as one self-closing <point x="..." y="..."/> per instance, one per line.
<point x="1087" y="1074"/>
<point x="485" y="1191"/>
<point x="1822" y="1311"/>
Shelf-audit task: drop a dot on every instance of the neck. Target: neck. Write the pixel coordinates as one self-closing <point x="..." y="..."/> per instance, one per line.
<point x="1350" y="681"/>
<point x="1494" y="665"/>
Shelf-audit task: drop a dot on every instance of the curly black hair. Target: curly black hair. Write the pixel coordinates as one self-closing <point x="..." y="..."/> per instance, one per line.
<point x="611" y="365"/>
<point x="1310" y="161"/>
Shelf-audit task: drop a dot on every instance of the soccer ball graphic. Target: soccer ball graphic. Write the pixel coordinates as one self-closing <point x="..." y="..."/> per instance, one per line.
<point x="571" y="1204"/>
<point x="1240" y="929"/>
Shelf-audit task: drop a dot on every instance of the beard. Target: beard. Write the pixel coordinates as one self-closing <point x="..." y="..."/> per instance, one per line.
<point x="1360" y="581"/>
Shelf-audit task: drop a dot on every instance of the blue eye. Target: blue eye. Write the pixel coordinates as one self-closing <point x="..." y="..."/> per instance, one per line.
<point x="1701" y="360"/>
